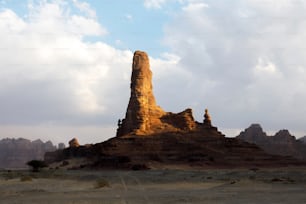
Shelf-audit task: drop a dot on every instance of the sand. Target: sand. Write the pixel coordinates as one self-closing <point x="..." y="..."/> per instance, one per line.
<point x="154" y="186"/>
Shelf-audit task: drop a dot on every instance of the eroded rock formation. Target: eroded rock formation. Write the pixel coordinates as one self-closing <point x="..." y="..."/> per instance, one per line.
<point x="170" y="138"/>
<point x="74" y="143"/>
<point x="143" y="115"/>
<point x="207" y="118"/>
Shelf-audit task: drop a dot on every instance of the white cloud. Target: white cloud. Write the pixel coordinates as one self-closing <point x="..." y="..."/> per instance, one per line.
<point x="53" y="71"/>
<point x="11" y="22"/>
<point x="85" y="26"/>
<point x="246" y="59"/>
<point x="154" y="3"/>
<point x="85" y="7"/>
<point x="194" y="6"/>
<point x="263" y="68"/>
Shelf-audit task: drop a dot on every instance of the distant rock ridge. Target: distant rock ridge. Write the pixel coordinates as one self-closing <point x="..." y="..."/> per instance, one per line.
<point x="143" y="116"/>
<point x="302" y="139"/>
<point x="282" y="143"/>
<point x="14" y="153"/>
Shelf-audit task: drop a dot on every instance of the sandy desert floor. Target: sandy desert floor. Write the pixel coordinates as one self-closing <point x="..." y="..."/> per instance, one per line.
<point x="154" y="186"/>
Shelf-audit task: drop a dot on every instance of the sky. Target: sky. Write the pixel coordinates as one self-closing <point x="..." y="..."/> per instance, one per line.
<point x="65" y="66"/>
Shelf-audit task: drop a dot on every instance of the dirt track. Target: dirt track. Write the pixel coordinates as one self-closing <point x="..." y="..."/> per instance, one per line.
<point x="157" y="186"/>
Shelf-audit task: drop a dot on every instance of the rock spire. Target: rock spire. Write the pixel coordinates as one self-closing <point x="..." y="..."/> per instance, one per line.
<point x="142" y="112"/>
<point x="207" y="118"/>
<point x="144" y="116"/>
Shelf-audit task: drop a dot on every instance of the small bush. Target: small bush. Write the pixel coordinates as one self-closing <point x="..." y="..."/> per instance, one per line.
<point x="25" y="178"/>
<point x="36" y="165"/>
<point x="102" y="183"/>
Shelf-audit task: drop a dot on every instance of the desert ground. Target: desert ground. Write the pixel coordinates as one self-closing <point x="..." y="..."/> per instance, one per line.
<point x="283" y="185"/>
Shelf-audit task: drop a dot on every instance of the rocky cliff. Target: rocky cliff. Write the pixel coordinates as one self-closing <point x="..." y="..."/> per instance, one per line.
<point x="282" y="143"/>
<point x="14" y="153"/>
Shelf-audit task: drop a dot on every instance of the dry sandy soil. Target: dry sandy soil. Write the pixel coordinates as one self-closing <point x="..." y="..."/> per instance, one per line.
<point x="154" y="186"/>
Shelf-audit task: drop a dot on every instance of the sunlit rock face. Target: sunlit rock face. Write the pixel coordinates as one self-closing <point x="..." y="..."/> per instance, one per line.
<point x="142" y="112"/>
<point x="143" y="115"/>
<point x="74" y="143"/>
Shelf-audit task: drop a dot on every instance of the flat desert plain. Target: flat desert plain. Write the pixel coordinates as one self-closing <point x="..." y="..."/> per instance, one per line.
<point x="283" y="185"/>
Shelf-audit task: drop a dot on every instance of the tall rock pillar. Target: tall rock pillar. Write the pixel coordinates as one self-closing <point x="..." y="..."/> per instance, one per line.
<point x="142" y="111"/>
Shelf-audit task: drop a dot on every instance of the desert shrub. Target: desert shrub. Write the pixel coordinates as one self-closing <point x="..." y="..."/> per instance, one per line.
<point x="36" y="165"/>
<point x="25" y="178"/>
<point x="102" y="183"/>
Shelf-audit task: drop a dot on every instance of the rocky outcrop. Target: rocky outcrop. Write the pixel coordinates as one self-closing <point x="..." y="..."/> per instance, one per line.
<point x="74" y="143"/>
<point x="14" y="153"/>
<point x="170" y="138"/>
<point x="282" y="143"/>
<point x="253" y="134"/>
<point x="143" y="115"/>
<point x="207" y="119"/>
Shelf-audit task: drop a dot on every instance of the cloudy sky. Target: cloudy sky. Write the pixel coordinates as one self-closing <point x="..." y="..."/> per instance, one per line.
<point x="65" y="65"/>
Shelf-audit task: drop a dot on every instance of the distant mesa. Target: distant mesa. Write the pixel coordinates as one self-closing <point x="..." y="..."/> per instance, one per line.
<point x="61" y="146"/>
<point x="144" y="116"/>
<point x="14" y="153"/>
<point x="282" y="143"/>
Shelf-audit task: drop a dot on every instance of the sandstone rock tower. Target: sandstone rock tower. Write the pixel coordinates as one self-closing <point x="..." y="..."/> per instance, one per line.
<point x="144" y="117"/>
<point x="142" y="112"/>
